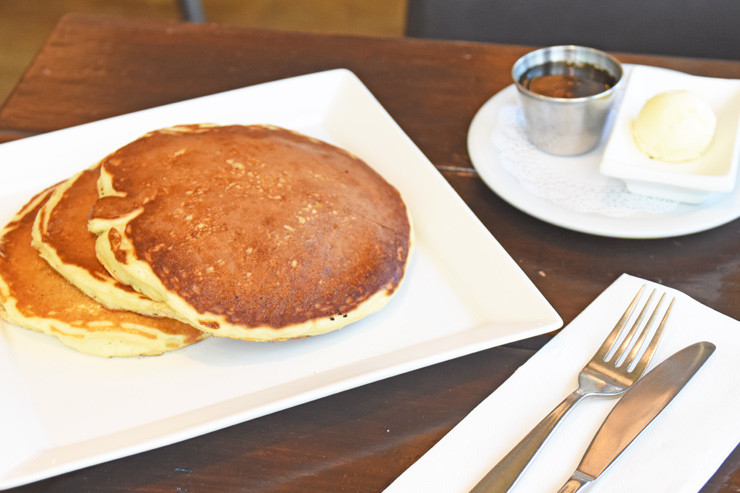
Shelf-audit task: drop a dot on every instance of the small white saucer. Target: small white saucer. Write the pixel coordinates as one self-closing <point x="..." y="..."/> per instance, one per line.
<point x="690" y="181"/>
<point x="684" y="219"/>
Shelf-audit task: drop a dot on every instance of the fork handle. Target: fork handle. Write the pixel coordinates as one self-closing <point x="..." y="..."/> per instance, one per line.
<point x="507" y="471"/>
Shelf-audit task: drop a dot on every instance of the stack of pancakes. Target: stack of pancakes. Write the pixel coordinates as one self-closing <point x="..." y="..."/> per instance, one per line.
<point x="248" y="232"/>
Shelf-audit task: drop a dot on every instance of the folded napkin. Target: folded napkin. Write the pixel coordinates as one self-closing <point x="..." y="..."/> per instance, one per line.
<point x="678" y="452"/>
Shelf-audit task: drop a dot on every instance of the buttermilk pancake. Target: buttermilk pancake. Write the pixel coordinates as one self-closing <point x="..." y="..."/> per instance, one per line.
<point x="61" y="236"/>
<point x="251" y="232"/>
<point x="35" y="296"/>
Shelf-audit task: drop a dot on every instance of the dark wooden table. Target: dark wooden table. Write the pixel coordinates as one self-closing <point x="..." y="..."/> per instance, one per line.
<point x="93" y="67"/>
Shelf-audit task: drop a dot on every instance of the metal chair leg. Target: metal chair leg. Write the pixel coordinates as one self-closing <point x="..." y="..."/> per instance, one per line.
<point x="192" y="10"/>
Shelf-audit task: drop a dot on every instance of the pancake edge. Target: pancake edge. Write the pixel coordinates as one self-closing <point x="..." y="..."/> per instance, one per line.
<point x="85" y="340"/>
<point x="105" y="293"/>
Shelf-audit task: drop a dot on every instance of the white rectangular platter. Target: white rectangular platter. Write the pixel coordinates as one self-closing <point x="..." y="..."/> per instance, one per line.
<point x="62" y="410"/>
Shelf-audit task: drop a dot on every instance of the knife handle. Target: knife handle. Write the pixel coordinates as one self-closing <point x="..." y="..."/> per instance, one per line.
<point x="507" y="471"/>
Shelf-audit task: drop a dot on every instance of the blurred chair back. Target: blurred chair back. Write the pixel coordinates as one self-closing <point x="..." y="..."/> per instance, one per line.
<point x="692" y="28"/>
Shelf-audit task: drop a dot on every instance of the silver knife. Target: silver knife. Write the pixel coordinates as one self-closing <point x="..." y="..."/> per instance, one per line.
<point x="634" y="412"/>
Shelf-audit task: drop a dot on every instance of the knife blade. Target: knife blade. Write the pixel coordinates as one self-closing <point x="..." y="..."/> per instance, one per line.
<point x="636" y="410"/>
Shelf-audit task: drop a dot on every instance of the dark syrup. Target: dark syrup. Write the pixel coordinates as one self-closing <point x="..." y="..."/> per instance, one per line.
<point x="567" y="80"/>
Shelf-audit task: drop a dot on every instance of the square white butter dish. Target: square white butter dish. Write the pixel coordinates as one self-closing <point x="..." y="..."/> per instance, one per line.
<point x="690" y="181"/>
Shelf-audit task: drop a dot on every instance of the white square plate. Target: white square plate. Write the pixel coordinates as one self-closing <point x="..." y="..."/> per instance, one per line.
<point x="690" y="181"/>
<point x="63" y="410"/>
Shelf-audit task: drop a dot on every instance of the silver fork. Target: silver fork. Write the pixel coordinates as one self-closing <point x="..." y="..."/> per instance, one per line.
<point x="610" y="372"/>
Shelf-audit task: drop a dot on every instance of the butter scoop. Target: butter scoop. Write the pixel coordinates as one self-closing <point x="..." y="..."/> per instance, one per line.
<point x="674" y="126"/>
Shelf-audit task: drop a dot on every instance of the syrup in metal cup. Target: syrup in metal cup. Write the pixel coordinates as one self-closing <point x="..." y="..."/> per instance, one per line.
<point x="566" y="93"/>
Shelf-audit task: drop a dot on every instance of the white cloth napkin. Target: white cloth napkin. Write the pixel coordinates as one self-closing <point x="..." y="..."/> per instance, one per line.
<point x="678" y="452"/>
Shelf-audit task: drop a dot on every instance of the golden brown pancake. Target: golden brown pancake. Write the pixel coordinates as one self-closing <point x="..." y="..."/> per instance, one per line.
<point x="35" y="296"/>
<point x="61" y="236"/>
<point x="251" y="232"/>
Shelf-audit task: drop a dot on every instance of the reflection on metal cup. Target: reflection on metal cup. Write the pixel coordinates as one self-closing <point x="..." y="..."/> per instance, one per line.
<point x="566" y="126"/>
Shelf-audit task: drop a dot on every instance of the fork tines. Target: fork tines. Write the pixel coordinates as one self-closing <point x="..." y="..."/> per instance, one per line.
<point x="634" y="340"/>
